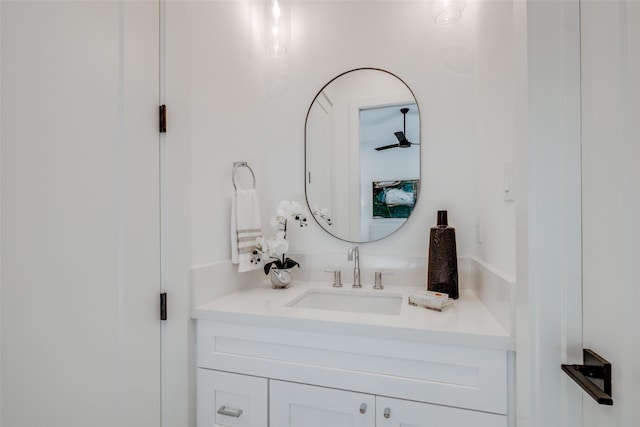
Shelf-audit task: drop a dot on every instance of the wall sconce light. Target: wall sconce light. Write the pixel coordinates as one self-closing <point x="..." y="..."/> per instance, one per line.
<point x="276" y="27"/>
<point x="447" y="12"/>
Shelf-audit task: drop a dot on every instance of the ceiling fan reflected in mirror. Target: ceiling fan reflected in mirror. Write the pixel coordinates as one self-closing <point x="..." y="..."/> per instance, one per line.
<point x="403" y="142"/>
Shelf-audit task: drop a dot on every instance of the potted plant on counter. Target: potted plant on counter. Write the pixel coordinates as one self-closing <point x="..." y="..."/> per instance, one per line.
<point x="272" y="251"/>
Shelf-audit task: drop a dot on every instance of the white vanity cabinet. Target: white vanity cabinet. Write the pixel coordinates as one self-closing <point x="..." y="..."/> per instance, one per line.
<point x="325" y="374"/>
<point x="235" y="400"/>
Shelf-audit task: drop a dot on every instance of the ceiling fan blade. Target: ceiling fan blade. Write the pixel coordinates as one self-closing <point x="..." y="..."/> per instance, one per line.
<point x="401" y="138"/>
<point x="403" y="142"/>
<point x="386" y="147"/>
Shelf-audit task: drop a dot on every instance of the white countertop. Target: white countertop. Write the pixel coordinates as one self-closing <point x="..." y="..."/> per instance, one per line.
<point x="468" y="323"/>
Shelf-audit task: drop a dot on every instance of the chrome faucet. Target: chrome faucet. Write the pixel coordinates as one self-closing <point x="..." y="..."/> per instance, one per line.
<point x="354" y="255"/>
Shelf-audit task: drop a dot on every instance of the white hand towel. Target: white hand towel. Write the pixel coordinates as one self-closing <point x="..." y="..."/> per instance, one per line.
<point x="245" y="227"/>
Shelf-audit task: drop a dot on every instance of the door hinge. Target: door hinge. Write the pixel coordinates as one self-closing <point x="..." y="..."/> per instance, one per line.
<point x="163" y="119"/>
<point x="163" y="306"/>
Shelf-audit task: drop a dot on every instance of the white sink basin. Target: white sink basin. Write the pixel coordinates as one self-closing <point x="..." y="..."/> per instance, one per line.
<point x="359" y="301"/>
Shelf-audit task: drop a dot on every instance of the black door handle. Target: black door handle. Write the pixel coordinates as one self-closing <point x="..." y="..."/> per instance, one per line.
<point x="594" y="376"/>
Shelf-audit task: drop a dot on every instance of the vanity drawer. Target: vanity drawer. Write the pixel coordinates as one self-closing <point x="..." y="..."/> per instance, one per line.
<point x="231" y="400"/>
<point x="464" y="377"/>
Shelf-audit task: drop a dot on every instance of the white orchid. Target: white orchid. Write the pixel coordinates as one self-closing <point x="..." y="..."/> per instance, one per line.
<point x="287" y="210"/>
<point x="273" y="247"/>
<point x="321" y="213"/>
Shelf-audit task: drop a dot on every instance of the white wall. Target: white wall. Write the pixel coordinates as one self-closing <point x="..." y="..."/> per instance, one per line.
<point x="244" y="105"/>
<point x="215" y="94"/>
<point x="495" y="136"/>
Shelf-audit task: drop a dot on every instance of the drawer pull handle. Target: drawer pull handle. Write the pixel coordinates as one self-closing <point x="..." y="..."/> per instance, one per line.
<point x="363" y="408"/>
<point x="387" y="412"/>
<point x="230" y="412"/>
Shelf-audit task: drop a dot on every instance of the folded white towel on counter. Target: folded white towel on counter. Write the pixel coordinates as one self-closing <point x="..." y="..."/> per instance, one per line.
<point x="245" y="228"/>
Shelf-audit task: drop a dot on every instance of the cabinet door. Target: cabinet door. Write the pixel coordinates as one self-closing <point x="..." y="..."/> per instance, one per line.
<point x="298" y="405"/>
<point x="404" y="413"/>
<point x="231" y="400"/>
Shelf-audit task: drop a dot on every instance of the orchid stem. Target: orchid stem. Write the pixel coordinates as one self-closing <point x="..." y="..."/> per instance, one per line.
<point x="285" y="236"/>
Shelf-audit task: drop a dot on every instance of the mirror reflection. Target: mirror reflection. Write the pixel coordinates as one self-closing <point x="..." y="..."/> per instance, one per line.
<point x="362" y="155"/>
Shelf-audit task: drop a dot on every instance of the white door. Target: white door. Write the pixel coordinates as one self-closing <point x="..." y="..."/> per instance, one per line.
<point x="299" y="405"/>
<point x="80" y="215"/>
<point x="610" y="35"/>
<point x="403" y="413"/>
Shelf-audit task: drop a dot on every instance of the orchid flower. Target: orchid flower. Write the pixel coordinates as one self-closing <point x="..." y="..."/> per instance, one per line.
<point x="276" y="247"/>
<point x="321" y="213"/>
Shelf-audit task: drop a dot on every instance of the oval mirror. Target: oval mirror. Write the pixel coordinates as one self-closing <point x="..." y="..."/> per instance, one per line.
<point x="362" y="155"/>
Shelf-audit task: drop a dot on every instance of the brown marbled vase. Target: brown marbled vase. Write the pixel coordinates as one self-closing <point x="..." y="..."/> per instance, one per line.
<point x="442" y="271"/>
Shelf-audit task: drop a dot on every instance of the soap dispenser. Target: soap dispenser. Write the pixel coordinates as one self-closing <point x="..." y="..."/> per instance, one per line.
<point x="442" y="270"/>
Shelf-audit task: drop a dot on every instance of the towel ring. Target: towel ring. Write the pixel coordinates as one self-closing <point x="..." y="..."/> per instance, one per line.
<point x="237" y="165"/>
